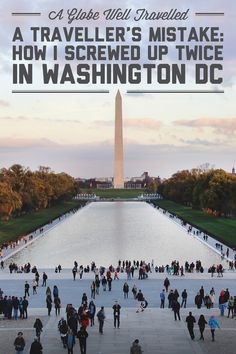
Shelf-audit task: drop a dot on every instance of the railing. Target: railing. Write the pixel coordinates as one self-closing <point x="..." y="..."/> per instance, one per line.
<point x="83" y="196"/>
<point x="94" y="197"/>
<point x="150" y="196"/>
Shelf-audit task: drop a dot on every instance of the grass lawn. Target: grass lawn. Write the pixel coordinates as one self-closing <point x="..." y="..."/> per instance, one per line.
<point x="10" y="230"/>
<point x="223" y="229"/>
<point x="115" y="193"/>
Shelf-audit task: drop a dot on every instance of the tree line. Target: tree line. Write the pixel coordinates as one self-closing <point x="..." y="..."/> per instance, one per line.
<point x="213" y="191"/>
<point x="23" y="190"/>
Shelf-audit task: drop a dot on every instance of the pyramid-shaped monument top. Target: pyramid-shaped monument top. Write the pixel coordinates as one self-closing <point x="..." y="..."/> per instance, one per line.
<point x="118" y="94"/>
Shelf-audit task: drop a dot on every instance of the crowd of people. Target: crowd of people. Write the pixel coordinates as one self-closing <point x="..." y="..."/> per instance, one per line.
<point x="12" y="307"/>
<point x="145" y="268"/>
<point x="74" y="325"/>
<point x="130" y="267"/>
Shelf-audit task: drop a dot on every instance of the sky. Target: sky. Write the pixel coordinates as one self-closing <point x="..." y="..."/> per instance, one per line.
<point x="74" y="133"/>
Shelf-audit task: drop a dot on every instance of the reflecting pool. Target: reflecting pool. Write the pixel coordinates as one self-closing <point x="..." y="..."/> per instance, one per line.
<point x="105" y="232"/>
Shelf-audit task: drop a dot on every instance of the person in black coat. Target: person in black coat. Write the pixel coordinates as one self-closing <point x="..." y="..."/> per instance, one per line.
<point x="201" y="324"/>
<point x="49" y="304"/>
<point x="82" y="335"/>
<point x="184" y="298"/>
<point x="19" y="342"/>
<point x="36" y="347"/>
<point x="116" y="313"/>
<point x="190" y="319"/>
<point x="166" y="284"/>
<point x="198" y="301"/>
<point x="171" y="299"/>
<point x="176" y="308"/>
<point x="63" y="329"/>
<point x="38" y="328"/>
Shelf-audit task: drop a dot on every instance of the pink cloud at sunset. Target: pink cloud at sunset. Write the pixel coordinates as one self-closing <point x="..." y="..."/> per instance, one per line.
<point x="225" y="126"/>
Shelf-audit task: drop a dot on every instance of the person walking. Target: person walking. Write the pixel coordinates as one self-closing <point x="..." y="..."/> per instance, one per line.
<point x="36" y="347"/>
<point x="202" y="293"/>
<point x="49" y="304"/>
<point x="222" y="303"/>
<point x="143" y="305"/>
<point x="48" y="291"/>
<point x="15" y="305"/>
<point x="74" y="272"/>
<point x="184" y="298"/>
<point x="38" y="328"/>
<point x="70" y="341"/>
<point x="126" y="290"/>
<point x="136" y="347"/>
<point x="231" y="306"/>
<point x="25" y="305"/>
<point x="55" y="291"/>
<point x="101" y="318"/>
<point x="190" y="319"/>
<point x="104" y="283"/>
<point x="84" y="300"/>
<point x="140" y="298"/>
<point x="97" y="285"/>
<point x="21" y="307"/>
<point x="82" y="335"/>
<point x="162" y="297"/>
<point x="93" y="288"/>
<point x="37" y="278"/>
<point x="134" y="291"/>
<point x="44" y="279"/>
<point x="207" y="301"/>
<point x="27" y="288"/>
<point x="213" y="323"/>
<point x="212" y="297"/>
<point x="92" y="311"/>
<point x="202" y="324"/>
<point x="116" y="313"/>
<point x="109" y="282"/>
<point x="176" y="308"/>
<point x="170" y="299"/>
<point x="34" y="287"/>
<point x="198" y="300"/>
<point x="19" y="343"/>
<point x="166" y="284"/>
<point x="63" y="329"/>
<point x="57" y="304"/>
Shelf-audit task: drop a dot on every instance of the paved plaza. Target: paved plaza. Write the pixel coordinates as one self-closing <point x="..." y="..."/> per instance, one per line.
<point x="155" y="327"/>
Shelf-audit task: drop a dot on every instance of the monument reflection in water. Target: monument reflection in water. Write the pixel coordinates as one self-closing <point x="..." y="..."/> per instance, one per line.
<point x="105" y="232"/>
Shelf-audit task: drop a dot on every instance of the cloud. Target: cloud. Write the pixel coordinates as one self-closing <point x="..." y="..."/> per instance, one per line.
<point x="226" y="126"/>
<point x="90" y="160"/>
<point x="104" y="123"/>
<point x="142" y="123"/>
<point x="14" y="118"/>
<point x="50" y="120"/>
<point x="4" y="103"/>
<point x="16" y="143"/>
<point x="200" y="142"/>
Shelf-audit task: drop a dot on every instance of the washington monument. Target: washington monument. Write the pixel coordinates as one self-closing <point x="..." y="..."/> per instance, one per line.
<point x="118" y="158"/>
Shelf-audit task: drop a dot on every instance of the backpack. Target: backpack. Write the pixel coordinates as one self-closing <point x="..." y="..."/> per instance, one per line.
<point x="100" y="315"/>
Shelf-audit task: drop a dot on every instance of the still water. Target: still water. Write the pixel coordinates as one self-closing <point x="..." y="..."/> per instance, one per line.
<point x="105" y="232"/>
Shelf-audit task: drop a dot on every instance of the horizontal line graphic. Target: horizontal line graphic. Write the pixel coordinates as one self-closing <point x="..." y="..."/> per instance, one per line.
<point x="60" y="91"/>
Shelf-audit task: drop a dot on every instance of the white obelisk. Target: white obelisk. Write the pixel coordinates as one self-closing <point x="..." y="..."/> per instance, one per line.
<point x="118" y="158"/>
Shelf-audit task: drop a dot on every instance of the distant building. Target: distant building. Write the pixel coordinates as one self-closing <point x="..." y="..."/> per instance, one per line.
<point x="134" y="185"/>
<point x="233" y="171"/>
<point x="140" y="182"/>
